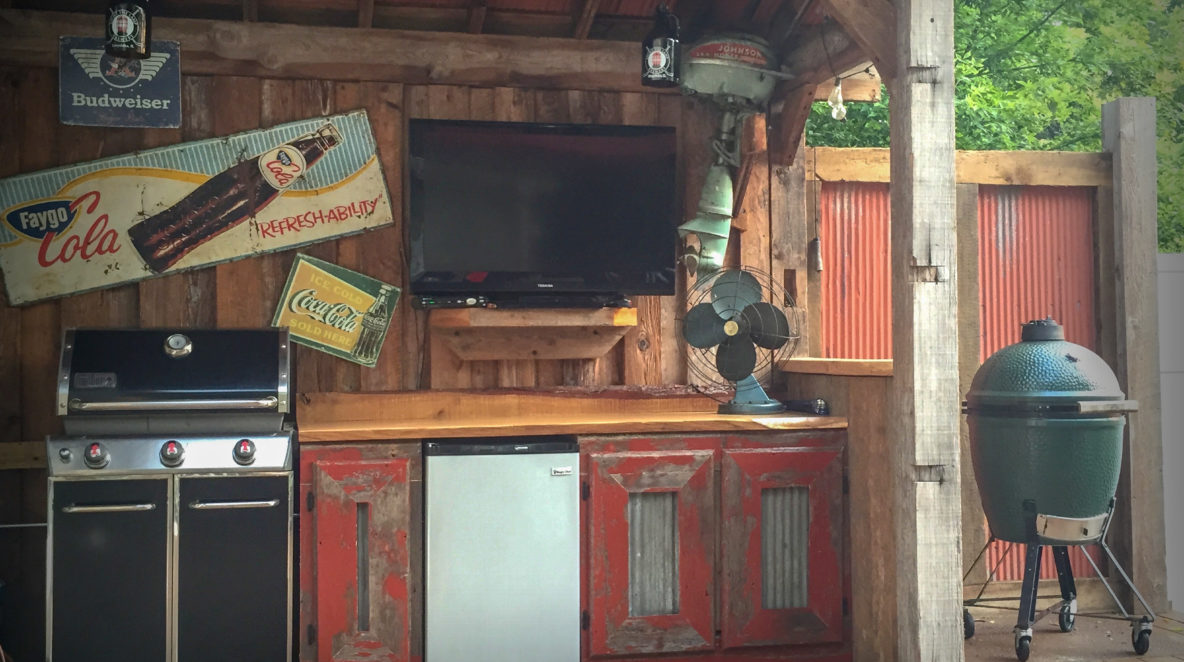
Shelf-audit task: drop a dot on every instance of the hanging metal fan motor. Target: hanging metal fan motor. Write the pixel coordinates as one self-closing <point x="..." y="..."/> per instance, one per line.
<point x="738" y="325"/>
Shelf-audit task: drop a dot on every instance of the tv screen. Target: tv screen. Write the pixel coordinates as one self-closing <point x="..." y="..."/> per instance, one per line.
<point x="512" y="209"/>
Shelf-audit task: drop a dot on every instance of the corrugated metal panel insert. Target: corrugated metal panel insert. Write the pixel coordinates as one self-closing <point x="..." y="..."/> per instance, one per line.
<point x="653" y="553"/>
<point x="1036" y="259"/>
<point x="856" y="284"/>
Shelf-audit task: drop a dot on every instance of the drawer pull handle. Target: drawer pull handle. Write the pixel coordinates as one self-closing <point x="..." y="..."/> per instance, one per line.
<point x="118" y="508"/>
<point x="224" y="505"/>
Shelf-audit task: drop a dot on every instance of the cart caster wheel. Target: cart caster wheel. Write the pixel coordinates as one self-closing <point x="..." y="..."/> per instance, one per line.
<point x="1023" y="648"/>
<point x="967" y="624"/>
<point x="1141" y="640"/>
<point x="1066" y="618"/>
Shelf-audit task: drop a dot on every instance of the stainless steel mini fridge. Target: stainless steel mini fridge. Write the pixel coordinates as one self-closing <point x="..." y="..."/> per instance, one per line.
<point x="502" y="547"/>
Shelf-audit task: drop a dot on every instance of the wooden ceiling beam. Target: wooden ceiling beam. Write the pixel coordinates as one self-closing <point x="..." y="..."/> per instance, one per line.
<point x="365" y="13"/>
<point x="693" y="15"/>
<point x="872" y="23"/>
<point x="275" y="50"/>
<point x="477" y="11"/>
<point x="582" y="24"/>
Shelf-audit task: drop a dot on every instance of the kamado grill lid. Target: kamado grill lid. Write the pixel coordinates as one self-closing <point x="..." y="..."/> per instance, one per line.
<point x="1045" y="373"/>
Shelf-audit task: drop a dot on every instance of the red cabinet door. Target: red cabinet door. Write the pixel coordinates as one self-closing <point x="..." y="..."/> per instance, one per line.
<point x="651" y="553"/>
<point x="362" y="561"/>
<point x="782" y="573"/>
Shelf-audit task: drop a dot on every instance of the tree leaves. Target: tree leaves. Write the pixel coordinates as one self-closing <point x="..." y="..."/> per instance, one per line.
<point x="1033" y="75"/>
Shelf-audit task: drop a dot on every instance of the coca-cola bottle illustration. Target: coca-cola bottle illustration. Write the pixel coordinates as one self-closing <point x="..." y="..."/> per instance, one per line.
<point x="660" y="56"/>
<point x="374" y="324"/>
<point x="227" y="199"/>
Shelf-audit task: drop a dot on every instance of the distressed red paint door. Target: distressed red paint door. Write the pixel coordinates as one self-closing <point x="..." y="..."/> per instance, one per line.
<point x="651" y="552"/>
<point x="782" y="575"/>
<point x="362" y="521"/>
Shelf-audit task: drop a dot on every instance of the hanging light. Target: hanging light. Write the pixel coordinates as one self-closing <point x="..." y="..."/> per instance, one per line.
<point x="129" y="29"/>
<point x="838" y="110"/>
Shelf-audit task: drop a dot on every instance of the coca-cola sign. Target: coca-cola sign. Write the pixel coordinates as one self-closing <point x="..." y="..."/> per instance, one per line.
<point x="131" y="217"/>
<point x="336" y="310"/>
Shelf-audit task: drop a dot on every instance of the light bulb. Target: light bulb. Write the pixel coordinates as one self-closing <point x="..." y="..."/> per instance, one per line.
<point x="837" y="109"/>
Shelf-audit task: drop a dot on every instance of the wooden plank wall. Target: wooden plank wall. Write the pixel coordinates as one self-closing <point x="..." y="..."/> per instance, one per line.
<point x="244" y="293"/>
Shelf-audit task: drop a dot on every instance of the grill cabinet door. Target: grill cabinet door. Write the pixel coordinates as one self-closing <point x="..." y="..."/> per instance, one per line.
<point x="233" y="568"/>
<point x="782" y="546"/>
<point x="652" y="549"/>
<point x="109" y="570"/>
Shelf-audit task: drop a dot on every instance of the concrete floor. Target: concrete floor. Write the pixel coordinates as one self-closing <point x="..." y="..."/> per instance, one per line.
<point x="1092" y="639"/>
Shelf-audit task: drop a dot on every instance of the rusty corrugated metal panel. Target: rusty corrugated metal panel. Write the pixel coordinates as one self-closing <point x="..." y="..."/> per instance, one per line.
<point x="1036" y="258"/>
<point x="856" y="284"/>
<point x="1012" y="566"/>
<point x="785" y="547"/>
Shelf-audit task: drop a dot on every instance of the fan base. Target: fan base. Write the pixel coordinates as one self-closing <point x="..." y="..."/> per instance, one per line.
<point x="770" y="407"/>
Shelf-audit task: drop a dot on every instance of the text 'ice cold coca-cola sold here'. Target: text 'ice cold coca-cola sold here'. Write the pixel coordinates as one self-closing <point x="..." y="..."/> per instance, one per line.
<point x="227" y="199"/>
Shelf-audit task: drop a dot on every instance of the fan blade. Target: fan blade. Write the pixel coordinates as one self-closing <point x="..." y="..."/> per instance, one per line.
<point x="702" y="328"/>
<point x="733" y="290"/>
<point x="767" y="325"/>
<point x="735" y="358"/>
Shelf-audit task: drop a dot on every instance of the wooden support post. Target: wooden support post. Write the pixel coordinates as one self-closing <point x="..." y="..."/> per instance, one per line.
<point x="365" y="13"/>
<point x="251" y="10"/>
<point x="974" y="531"/>
<point x="925" y="413"/>
<point x="477" y="12"/>
<point x="1128" y="133"/>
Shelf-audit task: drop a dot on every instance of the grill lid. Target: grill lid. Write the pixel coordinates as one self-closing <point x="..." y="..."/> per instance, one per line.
<point x="150" y="372"/>
<point x="1044" y="373"/>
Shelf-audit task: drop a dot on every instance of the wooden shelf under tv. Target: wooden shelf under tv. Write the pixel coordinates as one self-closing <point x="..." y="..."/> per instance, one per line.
<point x="492" y="334"/>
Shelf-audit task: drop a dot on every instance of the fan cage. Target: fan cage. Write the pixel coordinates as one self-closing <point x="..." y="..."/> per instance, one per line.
<point x="701" y="361"/>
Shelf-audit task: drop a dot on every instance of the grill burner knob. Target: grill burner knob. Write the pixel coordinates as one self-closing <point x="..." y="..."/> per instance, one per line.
<point x="172" y="454"/>
<point x="96" y="456"/>
<point x="244" y="451"/>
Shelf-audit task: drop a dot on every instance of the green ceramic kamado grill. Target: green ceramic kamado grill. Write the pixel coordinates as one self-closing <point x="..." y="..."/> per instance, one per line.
<point x="1046" y="419"/>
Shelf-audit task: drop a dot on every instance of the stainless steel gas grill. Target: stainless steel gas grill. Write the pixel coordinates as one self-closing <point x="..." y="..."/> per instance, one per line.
<point x="170" y="531"/>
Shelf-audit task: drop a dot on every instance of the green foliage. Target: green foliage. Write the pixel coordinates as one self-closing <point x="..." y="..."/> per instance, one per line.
<point x="1033" y="75"/>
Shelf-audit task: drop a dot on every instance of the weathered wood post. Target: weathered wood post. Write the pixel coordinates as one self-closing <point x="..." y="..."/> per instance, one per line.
<point x="926" y="406"/>
<point x="1128" y="133"/>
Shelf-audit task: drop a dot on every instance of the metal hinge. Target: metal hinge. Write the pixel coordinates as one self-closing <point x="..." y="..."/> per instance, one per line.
<point x="311" y="634"/>
<point x="585" y="491"/>
<point x="310" y="501"/>
<point x="585" y="618"/>
<point x="844" y="606"/>
<point x="846" y="485"/>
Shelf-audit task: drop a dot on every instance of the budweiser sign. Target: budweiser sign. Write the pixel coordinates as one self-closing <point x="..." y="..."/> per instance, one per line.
<point x="187" y="206"/>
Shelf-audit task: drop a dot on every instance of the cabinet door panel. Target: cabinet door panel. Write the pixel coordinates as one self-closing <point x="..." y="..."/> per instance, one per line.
<point x="362" y="521"/>
<point x="651" y="552"/>
<point x="782" y="546"/>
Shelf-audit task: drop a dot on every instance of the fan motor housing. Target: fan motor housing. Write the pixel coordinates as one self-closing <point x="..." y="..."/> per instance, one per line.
<point x="1046" y="418"/>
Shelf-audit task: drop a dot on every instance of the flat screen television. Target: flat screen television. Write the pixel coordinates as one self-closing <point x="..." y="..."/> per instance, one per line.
<point x="527" y="211"/>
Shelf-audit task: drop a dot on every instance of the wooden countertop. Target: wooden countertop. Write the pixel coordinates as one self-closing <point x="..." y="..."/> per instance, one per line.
<point x="330" y="417"/>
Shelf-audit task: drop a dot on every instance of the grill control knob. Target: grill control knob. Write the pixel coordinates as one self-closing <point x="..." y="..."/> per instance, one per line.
<point x="172" y="454"/>
<point x="178" y="345"/>
<point x="96" y="456"/>
<point x="244" y="451"/>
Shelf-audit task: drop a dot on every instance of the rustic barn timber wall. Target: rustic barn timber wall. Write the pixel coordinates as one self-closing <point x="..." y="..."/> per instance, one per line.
<point x="244" y="293"/>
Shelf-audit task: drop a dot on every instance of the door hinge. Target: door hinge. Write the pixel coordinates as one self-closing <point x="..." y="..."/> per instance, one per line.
<point x="585" y="491"/>
<point x="311" y="634"/>
<point x="844" y="606"/>
<point x="310" y="501"/>
<point x="585" y="618"/>
<point x="846" y="485"/>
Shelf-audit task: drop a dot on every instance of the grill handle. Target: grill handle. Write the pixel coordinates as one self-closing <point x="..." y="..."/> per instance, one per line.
<point x="226" y="505"/>
<point x="116" y="508"/>
<point x="270" y="402"/>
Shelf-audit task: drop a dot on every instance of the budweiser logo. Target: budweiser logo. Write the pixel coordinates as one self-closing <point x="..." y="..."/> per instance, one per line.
<point x="340" y="316"/>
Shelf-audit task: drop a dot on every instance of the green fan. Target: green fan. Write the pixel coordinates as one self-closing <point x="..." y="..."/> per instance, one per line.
<point x="738" y="325"/>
